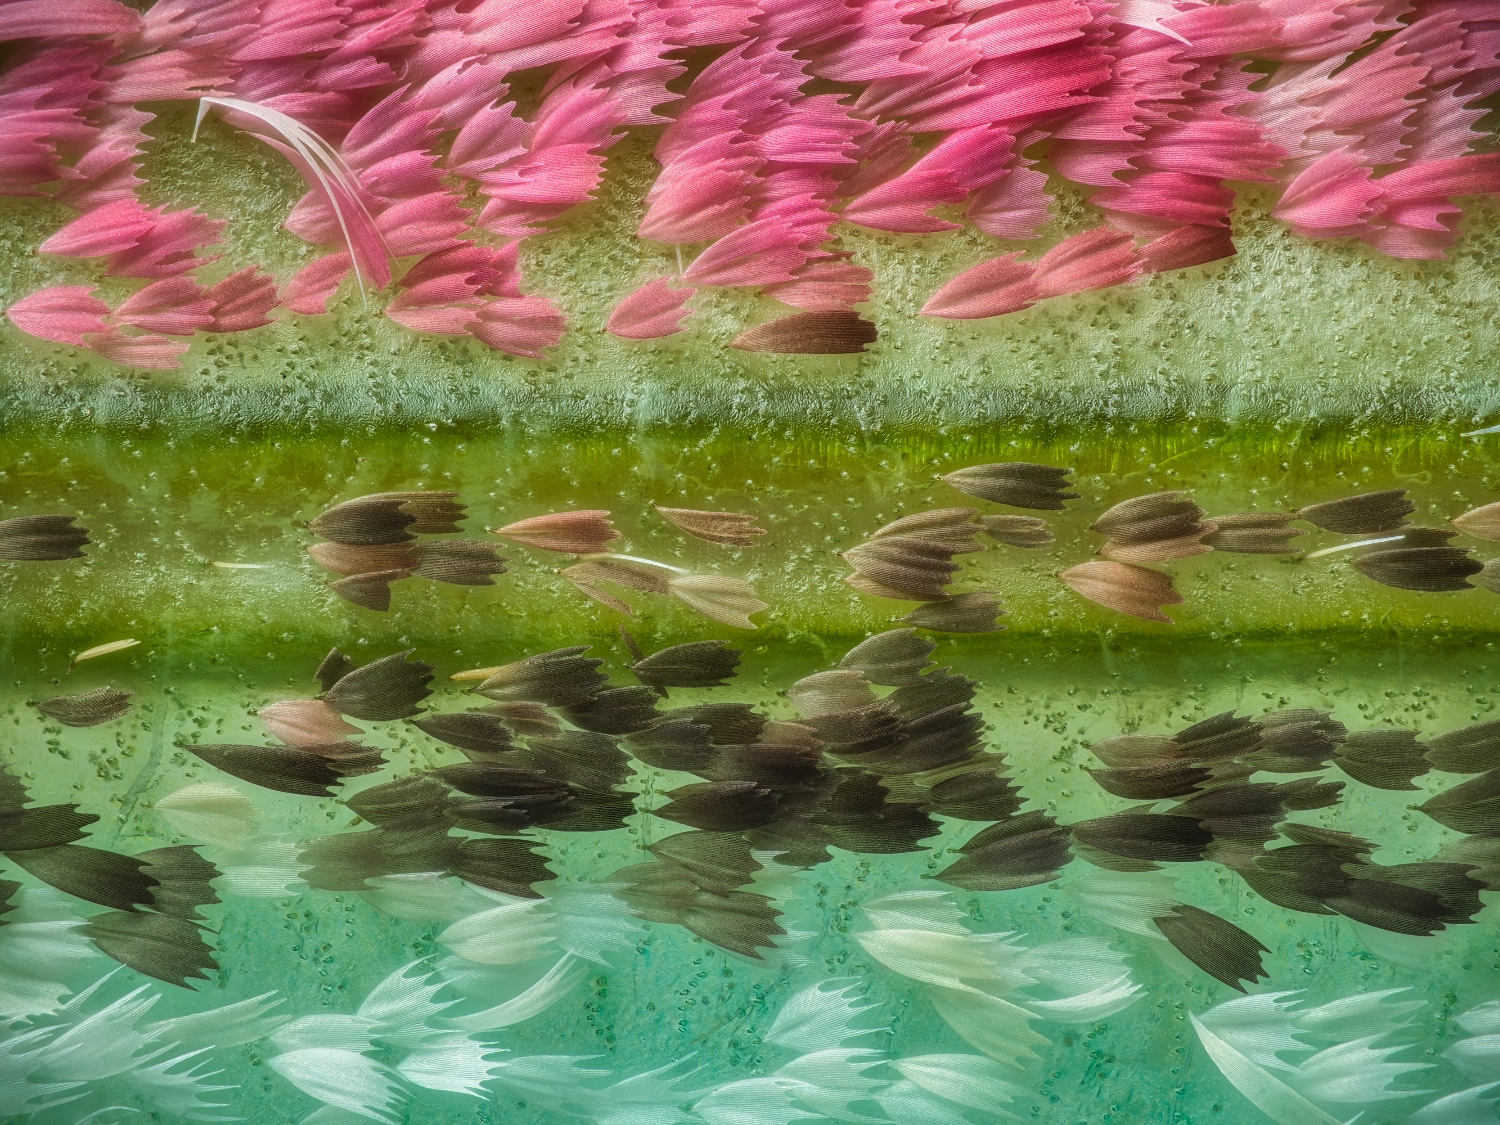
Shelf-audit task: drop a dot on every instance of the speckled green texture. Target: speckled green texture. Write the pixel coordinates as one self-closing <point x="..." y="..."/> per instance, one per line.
<point x="1290" y="332"/>
<point x="1258" y="634"/>
<point x="163" y="512"/>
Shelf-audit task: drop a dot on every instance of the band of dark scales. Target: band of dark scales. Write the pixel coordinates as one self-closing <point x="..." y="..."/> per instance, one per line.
<point x="868" y="775"/>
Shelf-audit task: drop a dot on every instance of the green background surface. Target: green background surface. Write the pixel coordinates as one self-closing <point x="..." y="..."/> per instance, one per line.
<point x="675" y="995"/>
<point x="162" y="512"/>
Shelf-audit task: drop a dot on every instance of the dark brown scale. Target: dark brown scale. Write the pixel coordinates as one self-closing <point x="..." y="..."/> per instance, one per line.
<point x="1383" y="759"/>
<point x="385" y="689"/>
<point x="861" y="731"/>
<point x="1418" y="537"/>
<point x="343" y="862"/>
<point x="891" y="659"/>
<point x="1310" y="793"/>
<point x="979" y="794"/>
<point x="458" y="562"/>
<point x="561" y="678"/>
<point x="1393" y="906"/>
<point x="49" y="826"/>
<point x="505" y="865"/>
<point x="335" y="667"/>
<point x="369" y="591"/>
<point x="498" y="816"/>
<point x="932" y="741"/>
<point x="794" y="841"/>
<point x="414" y="795"/>
<point x="583" y="758"/>
<point x="484" y="779"/>
<point x="1222" y="736"/>
<point x="1021" y="851"/>
<point x="585" y="811"/>
<point x="184" y="880"/>
<point x="1330" y="872"/>
<point x="437" y="513"/>
<point x="1253" y="533"/>
<point x="675" y="745"/>
<point x="1344" y="844"/>
<point x="721" y="861"/>
<point x="1139" y="841"/>
<point x="88" y="708"/>
<point x="1158" y="517"/>
<point x="529" y="720"/>
<point x="161" y="946"/>
<point x="1243" y="811"/>
<point x="937" y="689"/>
<point x="390" y="517"/>
<point x="1472" y="807"/>
<point x="1298" y="878"/>
<point x="1030" y="533"/>
<point x="1019" y="484"/>
<point x="285" y="769"/>
<point x="1152" y="783"/>
<point x="92" y="874"/>
<point x="781" y="768"/>
<point x="1221" y="949"/>
<point x="1139" y="751"/>
<point x="1473" y="749"/>
<point x="1312" y="869"/>
<point x="721" y="806"/>
<point x="1364" y="514"/>
<point x="917" y="569"/>
<point x="696" y="664"/>
<point x="1426" y="569"/>
<point x="677" y="894"/>
<point x="1479" y="855"/>
<point x="728" y="724"/>
<point x="476" y="733"/>
<point x="1296" y="741"/>
<point x="1453" y="884"/>
<point x="858" y="817"/>
<point x="962" y="613"/>
<point x="822" y="332"/>
<point x="901" y="827"/>
<point x="41" y="539"/>
<point x="366" y="521"/>
<point x="622" y="710"/>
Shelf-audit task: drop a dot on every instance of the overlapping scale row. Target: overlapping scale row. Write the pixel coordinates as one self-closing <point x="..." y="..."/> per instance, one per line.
<point x="779" y="121"/>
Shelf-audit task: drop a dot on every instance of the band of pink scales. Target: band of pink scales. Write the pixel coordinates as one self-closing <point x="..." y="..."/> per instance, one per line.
<point x="425" y="177"/>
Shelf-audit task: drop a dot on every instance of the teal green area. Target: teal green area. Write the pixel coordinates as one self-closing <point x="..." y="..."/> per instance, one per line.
<point x="673" y="996"/>
<point x="1291" y="332"/>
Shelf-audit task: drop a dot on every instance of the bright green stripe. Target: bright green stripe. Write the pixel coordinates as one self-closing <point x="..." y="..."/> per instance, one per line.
<point x="162" y="512"/>
<point x="1292" y="331"/>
